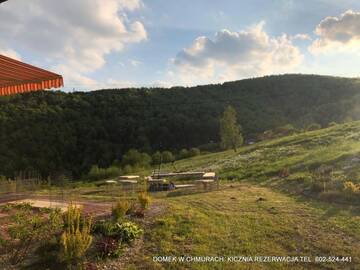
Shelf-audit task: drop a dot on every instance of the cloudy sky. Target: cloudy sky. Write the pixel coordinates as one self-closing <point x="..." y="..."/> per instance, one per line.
<point x="121" y="43"/>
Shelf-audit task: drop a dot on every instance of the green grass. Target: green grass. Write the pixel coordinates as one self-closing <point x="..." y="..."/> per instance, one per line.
<point x="292" y="220"/>
<point x="232" y="222"/>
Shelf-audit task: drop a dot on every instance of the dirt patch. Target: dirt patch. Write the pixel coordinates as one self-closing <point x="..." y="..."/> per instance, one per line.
<point x="89" y="208"/>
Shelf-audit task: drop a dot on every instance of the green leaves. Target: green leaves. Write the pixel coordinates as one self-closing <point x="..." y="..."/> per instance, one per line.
<point x="229" y="130"/>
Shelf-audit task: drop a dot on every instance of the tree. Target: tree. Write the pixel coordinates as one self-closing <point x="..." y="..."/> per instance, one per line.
<point x="156" y="158"/>
<point x="136" y="159"/>
<point x="184" y="153"/>
<point x="167" y="157"/>
<point x="193" y="152"/>
<point x="229" y="130"/>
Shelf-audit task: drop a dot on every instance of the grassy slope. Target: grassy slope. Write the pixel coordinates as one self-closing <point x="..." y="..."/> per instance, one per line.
<point x="232" y="222"/>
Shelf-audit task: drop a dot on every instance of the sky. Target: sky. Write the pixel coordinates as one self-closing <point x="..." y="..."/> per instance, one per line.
<point x="99" y="44"/>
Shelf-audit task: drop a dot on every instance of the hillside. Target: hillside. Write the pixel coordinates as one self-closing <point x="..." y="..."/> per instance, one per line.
<point x="297" y="164"/>
<point x="270" y="212"/>
<point x="67" y="133"/>
<point x="270" y="202"/>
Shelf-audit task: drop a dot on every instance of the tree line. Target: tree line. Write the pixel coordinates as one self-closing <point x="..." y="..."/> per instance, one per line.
<point x="67" y="133"/>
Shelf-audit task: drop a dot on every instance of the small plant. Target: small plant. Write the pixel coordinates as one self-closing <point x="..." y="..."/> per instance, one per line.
<point x="76" y="239"/>
<point x="120" y="209"/>
<point x="128" y="231"/>
<point x="351" y="188"/>
<point x="144" y="200"/>
<point x="104" y="227"/>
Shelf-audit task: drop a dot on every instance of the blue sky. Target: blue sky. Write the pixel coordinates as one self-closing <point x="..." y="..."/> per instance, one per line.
<point x="125" y="43"/>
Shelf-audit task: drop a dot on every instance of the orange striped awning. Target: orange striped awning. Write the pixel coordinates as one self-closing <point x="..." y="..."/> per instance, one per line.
<point x="18" y="77"/>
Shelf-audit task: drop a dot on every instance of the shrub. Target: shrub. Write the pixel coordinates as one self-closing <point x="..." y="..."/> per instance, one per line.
<point x="194" y="152"/>
<point x="144" y="200"/>
<point x="167" y="157"/>
<point x="76" y="239"/>
<point x="120" y="209"/>
<point x="156" y="158"/>
<point x="104" y="227"/>
<point x="108" y="247"/>
<point x="184" y="153"/>
<point x="313" y="126"/>
<point x="97" y="173"/>
<point x="285" y="130"/>
<point x="128" y="169"/>
<point x="136" y="159"/>
<point x="332" y="124"/>
<point x="128" y="231"/>
<point x="123" y="232"/>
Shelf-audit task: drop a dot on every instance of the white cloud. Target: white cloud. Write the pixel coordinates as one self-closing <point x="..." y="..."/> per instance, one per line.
<point x="301" y="37"/>
<point x="72" y="36"/>
<point x="338" y="33"/>
<point x="234" y="55"/>
<point x="134" y="62"/>
<point x="10" y="53"/>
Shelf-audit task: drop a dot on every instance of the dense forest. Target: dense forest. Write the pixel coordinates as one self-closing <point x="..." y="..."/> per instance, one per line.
<point x="69" y="132"/>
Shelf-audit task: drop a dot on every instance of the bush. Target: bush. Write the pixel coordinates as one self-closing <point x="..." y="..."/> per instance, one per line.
<point x="332" y="124"/>
<point x="313" y="126"/>
<point x="127" y="169"/>
<point x="76" y="239"/>
<point x="285" y="130"/>
<point x="194" y="152"/>
<point x="156" y="158"/>
<point x="97" y="173"/>
<point x="128" y="232"/>
<point x="120" y="209"/>
<point x="167" y="157"/>
<point x="136" y="159"/>
<point x="184" y="153"/>
<point x="123" y="232"/>
<point x="144" y="200"/>
<point x="209" y="147"/>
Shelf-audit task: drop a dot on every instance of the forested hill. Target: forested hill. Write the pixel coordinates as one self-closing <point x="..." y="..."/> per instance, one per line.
<point x="55" y="131"/>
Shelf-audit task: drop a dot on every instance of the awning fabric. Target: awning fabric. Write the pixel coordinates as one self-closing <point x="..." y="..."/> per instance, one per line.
<point x="18" y="77"/>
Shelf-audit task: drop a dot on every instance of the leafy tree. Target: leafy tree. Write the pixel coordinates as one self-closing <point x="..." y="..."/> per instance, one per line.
<point x="156" y="158"/>
<point x="229" y="130"/>
<point x="167" y="157"/>
<point x="136" y="159"/>
<point x="184" y="153"/>
<point x="194" y="152"/>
